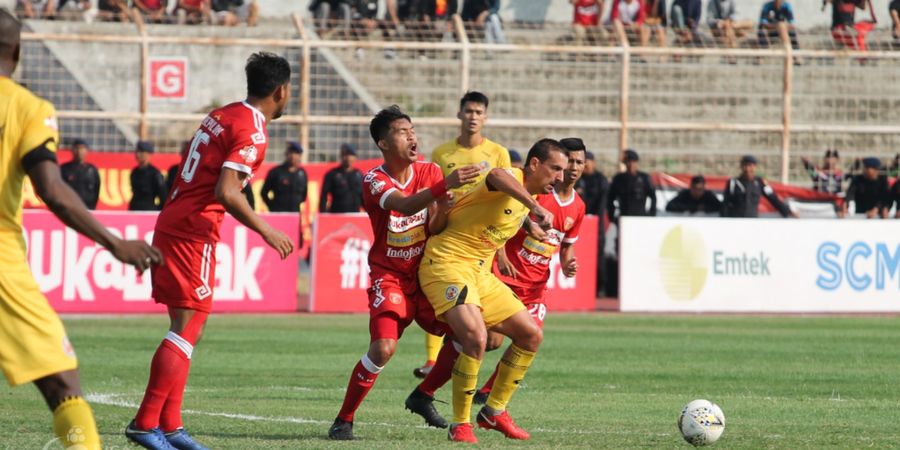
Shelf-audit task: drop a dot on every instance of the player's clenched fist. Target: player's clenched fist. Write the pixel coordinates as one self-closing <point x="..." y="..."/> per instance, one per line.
<point x="570" y="268"/>
<point x="542" y="217"/>
<point x="279" y="241"/>
<point x="137" y="253"/>
<point x="462" y="176"/>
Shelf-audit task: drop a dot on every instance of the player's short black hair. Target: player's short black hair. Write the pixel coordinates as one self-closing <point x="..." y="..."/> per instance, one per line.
<point x="474" y="97"/>
<point x="698" y="179"/>
<point x="573" y="144"/>
<point x="542" y="149"/>
<point x="265" y="73"/>
<point x="382" y="121"/>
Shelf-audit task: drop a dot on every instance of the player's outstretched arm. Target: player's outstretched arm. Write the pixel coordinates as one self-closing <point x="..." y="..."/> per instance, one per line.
<point x="501" y="180"/>
<point x="228" y="193"/>
<point x="65" y="204"/>
<point x="409" y="205"/>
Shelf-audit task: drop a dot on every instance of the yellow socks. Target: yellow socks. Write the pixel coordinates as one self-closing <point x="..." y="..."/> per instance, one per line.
<point x="432" y="346"/>
<point x="511" y="371"/>
<point x="73" y="423"/>
<point x="465" y="381"/>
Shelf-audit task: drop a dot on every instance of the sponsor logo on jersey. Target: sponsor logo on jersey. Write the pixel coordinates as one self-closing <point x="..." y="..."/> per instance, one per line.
<point x="533" y="258"/>
<point x="369" y="177"/>
<point x="406" y="238"/>
<point x="249" y="153"/>
<point x="451" y="293"/>
<point x="396" y="298"/>
<point x="404" y="253"/>
<point x="376" y="186"/>
<point x="399" y="224"/>
<point x="51" y="123"/>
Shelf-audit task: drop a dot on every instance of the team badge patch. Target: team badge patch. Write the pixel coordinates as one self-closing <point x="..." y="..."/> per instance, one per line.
<point x="451" y="293"/>
<point x="377" y="186"/>
<point x="569" y="222"/>
<point x="248" y="153"/>
<point x="396" y="298"/>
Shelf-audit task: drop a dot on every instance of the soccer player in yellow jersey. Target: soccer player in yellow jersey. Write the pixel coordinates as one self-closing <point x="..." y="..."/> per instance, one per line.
<point x="470" y="148"/>
<point x="455" y="274"/>
<point x="33" y="342"/>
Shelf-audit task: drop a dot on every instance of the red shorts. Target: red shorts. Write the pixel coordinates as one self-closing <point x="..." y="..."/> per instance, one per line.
<point x="393" y="305"/>
<point x="187" y="275"/>
<point x="534" y="300"/>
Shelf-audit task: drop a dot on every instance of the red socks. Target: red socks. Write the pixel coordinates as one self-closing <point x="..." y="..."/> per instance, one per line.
<point x="361" y="381"/>
<point x="440" y="373"/>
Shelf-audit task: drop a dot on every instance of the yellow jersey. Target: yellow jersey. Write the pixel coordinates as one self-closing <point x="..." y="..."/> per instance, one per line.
<point x="26" y="122"/>
<point x="479" y="224"/>
<point x="488" y="154"/>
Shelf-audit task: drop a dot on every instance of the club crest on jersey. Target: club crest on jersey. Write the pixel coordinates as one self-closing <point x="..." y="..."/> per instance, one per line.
<point x="376" y="186"/>
<point x="249" y="153"/>
<point x="569" y="222"/>
<point x="396" y="298"/>
<point x="451" y="293"/>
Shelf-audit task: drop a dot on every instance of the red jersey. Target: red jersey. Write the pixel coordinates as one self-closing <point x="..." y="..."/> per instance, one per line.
<point x="587" y="13"/>
<point x="399" y="240"/>
<point x="531" y="257"/>
<point x="233" y="136"/>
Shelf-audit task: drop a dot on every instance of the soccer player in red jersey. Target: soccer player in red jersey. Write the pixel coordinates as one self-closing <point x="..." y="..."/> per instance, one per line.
<point x="525" y="265"/>
<point x="226" y="150"/>
<point x="406" y="201"/>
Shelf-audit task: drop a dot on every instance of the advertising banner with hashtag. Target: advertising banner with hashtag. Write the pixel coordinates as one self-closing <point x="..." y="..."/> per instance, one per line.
<point x="340" y="267"/>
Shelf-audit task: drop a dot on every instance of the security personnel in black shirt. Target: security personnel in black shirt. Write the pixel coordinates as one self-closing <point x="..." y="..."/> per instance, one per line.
<point x="147" y="185"/>
<point x="83" y="177"/>
<point x="593" y="187"/>
<point x="869" y="191"/>
<point x="630" y="191"/>
<point x="695" y="200"/>
<point x="742" y="194"/>
<point x="343" y="184"/>
<point x="286" y="183"/>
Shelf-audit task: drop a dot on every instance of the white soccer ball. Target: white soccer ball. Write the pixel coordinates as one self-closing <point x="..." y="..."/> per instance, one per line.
<point x="701" y="422"/>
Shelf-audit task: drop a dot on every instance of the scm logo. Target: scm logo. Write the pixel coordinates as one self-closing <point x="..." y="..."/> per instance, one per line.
<point x="862" y="266"/>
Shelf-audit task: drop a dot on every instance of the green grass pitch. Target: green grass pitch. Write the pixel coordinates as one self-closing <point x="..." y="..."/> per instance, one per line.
<point x="600" y="381"/>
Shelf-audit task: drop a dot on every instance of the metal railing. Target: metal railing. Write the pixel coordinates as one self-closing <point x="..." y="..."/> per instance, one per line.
<point x="620" y="72"/>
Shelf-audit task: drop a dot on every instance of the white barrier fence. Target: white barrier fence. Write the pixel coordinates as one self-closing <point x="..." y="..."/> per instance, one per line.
<point x="759" y="265"/>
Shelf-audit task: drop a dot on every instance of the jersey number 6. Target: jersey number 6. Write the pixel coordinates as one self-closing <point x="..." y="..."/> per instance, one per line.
<point x="192" y="160"/>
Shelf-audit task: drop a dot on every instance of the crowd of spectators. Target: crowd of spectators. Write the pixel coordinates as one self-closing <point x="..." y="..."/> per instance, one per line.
<point x="213" y="12"/>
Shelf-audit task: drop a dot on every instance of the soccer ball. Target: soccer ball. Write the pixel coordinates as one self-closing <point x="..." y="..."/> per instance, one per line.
<point x="701" y="422"/>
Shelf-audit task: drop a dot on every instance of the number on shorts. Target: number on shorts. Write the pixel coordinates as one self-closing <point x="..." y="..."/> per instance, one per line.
<point x="538" y="311"/>
<point x="192" y="160"/>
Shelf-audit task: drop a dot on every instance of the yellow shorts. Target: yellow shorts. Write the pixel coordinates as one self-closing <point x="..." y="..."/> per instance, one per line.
<point x="450" y="284"/>
<point x="33" y="342"/>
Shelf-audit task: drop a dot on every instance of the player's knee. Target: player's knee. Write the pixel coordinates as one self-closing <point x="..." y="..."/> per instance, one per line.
<point x="531" y="338"/>
<point x="381" y="351"/>
<point x="474" y="343"/>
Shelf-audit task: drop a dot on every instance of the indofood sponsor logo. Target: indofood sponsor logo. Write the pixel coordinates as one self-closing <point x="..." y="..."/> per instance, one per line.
<point x="683" y="263"/>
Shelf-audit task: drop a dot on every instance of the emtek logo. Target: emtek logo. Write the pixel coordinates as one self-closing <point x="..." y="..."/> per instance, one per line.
<point x="857" y="266"/>
<point x="683" y="263"/>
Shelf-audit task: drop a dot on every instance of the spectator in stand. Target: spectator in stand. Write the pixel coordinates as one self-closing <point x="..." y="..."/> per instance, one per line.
<point x="287" y="183"/>
<point x="773" y="13"/>
<point x="232" y="12"/>
<point x="343" y="184"/>
<point x="515" y="159"/>
<point x="893" y="199"/>
<point x="654" y="22"/>
<point x="844" y="28"/>
<point x="695" y="200"/>
<point x="193" y="11"/>
<point x="630" y="191"/>
<point x="685" y="17"/>
<point x="440" y="15"/>
<point x="35" y="9"/>
<point x="148" y="189"/>
<point x="154" y="11"/>
<point x="485" y="14"/>
<point x="586" y="22"/>
<point x="631" y="13"/>
<point x="742" y="193"/>
<point x="827" y="178"/>
<point x="81" y="175"/>
<point x="112" y="10"/>
<point x="894" y="11"/>
<point x="325" y="11"/>
<point x="73" y="9"/>
<point x="869" y="191"/>
<point x="721" y="15"/>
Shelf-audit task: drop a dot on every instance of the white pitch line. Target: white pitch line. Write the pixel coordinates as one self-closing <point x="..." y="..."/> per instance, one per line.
<point x="111" y="399"/>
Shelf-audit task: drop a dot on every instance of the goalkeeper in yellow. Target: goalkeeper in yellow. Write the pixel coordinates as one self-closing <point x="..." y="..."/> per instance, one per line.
<point x="455" y="275"/>
<point x="33" y="343"/>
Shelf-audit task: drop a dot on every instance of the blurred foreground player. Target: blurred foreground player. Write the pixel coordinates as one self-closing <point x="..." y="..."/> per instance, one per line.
<point x="226" y="150"/>
<point x="406" y="201"/>
<point x="33" y="343"/>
